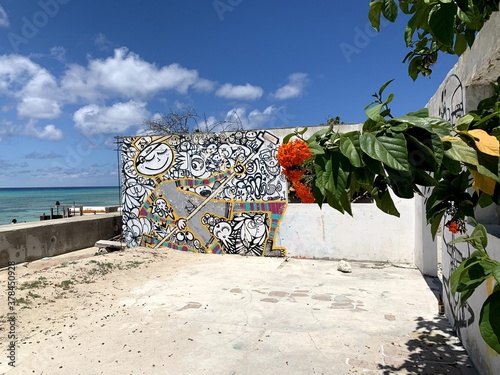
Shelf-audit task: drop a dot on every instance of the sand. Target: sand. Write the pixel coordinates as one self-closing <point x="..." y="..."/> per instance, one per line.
<point x="149" y="312"/>
<point x="56" y="297"/>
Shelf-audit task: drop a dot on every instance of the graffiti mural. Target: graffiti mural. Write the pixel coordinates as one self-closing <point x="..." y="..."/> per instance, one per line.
<point x="206" y="193"/>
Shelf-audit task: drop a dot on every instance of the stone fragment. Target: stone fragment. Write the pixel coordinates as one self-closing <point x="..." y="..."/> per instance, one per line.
<point x="344" y="267"/>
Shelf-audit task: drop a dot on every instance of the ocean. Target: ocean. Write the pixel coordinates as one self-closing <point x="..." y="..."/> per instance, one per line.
<point x="28" y="204"/>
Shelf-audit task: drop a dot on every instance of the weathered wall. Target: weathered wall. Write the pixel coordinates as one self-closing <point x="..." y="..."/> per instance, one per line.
<point x="181" y="191"/>
<point x="369" y="235"/>
<point x="31" y="241"/>
<point x="307" y="231"/>
<point x="465" y="85"/>
<point x="466" y="319"/>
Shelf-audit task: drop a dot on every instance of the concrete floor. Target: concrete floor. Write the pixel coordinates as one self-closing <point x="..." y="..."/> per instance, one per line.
<point x="235" y="315"/>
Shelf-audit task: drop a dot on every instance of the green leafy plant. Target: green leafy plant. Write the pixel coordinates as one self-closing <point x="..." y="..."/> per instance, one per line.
<point x="435" y="26"/>
<point x="471" y="273"/>
<point x="398" y="156"/>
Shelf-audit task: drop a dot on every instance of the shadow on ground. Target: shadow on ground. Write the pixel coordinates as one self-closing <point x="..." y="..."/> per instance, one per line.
<point x="432" y="348"/>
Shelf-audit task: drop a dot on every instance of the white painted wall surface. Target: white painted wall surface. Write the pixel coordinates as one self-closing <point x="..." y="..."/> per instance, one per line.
<point x="466" y="319"/>
<point x="370" y="235"/>
<point x="468" y="83"/>
<point x="307" y="231"/>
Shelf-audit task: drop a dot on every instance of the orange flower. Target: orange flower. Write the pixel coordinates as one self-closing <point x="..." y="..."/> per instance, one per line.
<point x="453" y="227"/>
<point x="293" y="174"/>
<point x="294" y="153"/>
<point x="303" y="192"/>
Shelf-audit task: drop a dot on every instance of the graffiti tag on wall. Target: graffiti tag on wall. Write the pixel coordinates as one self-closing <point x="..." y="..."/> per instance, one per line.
<point x="452" y="100"/>
<point x="451" y="109"/>
<point x="207" y="193"/>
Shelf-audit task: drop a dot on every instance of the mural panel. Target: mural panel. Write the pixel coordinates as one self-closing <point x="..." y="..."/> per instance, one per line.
<point x="206" y="193"/>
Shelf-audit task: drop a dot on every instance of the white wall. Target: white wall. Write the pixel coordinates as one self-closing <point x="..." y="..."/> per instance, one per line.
<point x="370" y="235"/>
<point x="465" y="85"/>
<point x="466" y="319"/>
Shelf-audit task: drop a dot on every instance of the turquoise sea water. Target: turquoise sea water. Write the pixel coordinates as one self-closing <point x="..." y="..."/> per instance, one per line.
<point x="28" y="204"/>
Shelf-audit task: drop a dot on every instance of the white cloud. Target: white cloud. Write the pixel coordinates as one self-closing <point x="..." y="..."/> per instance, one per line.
<point x="37" y="94"/>
<point x="255" y="119"/>
<point x="47" y="133"/>
<point x="15" y="72"/>
<point x="239" y="92"/>
<point x="38" y="155"/>
<point x="33" y="88"/>
<point x="4" y="18"/>
<point x="93" y="119"/>
<point x="204" y="85"/>
<point x="7" y="129"/>
<point x="35" y="107"/>
<point x="58" y="53"/>
<point x="125" y="74"/>
<point x="293" y="89"/>
<point x="103" y="43"/>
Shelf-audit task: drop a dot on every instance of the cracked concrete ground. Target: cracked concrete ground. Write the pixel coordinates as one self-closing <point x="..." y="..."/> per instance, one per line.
<point x="144" y="312"/>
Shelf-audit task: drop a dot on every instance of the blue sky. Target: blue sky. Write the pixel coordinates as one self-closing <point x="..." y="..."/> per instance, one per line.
<point x="75" y="73"/>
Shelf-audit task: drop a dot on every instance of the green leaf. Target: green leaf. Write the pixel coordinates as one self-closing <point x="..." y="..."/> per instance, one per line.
<point x="463" y="5"/>
<point x="320" y="133"/>
<point x="374" y="112"/>
<point x="422" y="178"/>
<point x="422" y="113"/>
<point x="390" y="10"/>
<point x="338" y="168"/>
<point x="374" y="14"/>
<point x="464" y="122"/>
<point x="413" y="67"/>
<point x="435" y="222"/>
<point x="350" y="148"/>
<point x="496" y="273"/>
<point x="478" y="239"/>
<point x="480" y="235"/>
<point x="319" y="197"/>
<point x="452" y="166"/>
<point x="457" y="149"/>
<point x="391" y="151"/>
<point x="399" y="128"/>
<point x="441" y="22"/>
<point x="374" y="166"/>
<point x="489" y="324"/>
<point x="460" y="44"/>
<point x="459" y="273"/>
<point x="484" y="200"/>
<point x="364" y="176"/>
<point x="470" y="36"/>
<point x="425" y="149"/>
<point x="431" y="124"/>
<point x="315" y="148"/>
<point x="383" y="87"/>
<point x="384" y="202"/>
<point x="287" y="138"/>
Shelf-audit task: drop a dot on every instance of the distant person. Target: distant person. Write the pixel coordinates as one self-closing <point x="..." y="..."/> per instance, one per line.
<point x="14" y="221"/>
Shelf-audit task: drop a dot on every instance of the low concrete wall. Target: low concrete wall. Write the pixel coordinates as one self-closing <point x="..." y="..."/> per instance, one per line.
<point x="369" y="235"/>
<point x="31" y="241"/>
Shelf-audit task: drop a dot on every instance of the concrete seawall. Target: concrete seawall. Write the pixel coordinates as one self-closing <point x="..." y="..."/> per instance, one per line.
<point x="31" y="241"/>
